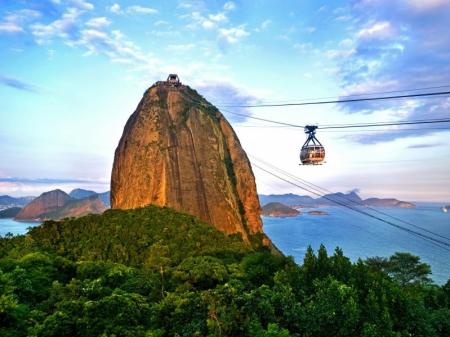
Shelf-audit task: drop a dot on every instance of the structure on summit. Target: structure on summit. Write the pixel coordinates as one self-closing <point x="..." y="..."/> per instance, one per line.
<point x="173" y="80"/>
<point x="178" y="150"/>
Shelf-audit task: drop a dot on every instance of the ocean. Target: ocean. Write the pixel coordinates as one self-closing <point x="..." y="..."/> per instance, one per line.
<point x="358" y="235"/>
<point x="361" y="236"/>
<point x="15" y="227"/>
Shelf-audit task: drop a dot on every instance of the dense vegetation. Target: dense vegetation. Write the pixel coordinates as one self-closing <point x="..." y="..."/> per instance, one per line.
<point x="156" y="272"/>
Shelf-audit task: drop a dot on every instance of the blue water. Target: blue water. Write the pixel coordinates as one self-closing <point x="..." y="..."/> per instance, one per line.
<point x="15" y="227"/>
<point x="361" y="236"/>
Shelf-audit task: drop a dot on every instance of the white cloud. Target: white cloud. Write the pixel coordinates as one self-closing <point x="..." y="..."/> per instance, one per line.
<point x="10" y="27"/>
<point x="339" y="53"/>
<point x="116" y="47"/>
<point x="265" y="24"/>
<point x="180" y="47"/>
<point x="343" y="18"/>
<point x="99" y="22"/>
<point x="115" y="8"/>
<point x="208" y="24"/>
<point x="135" y="9"/>
<point x="15" y="21"/>
<point x="81" y="4"/>
<point x="161" y="23"/>
<point x="141" y="10"/>
<point x="229" y="6"/>
<point x="66" y="27"/>
<point x="233" y="35"/>
<point x="378" y="30"/>
<point x="426" y="5"/>
<point x="219" y="17"/>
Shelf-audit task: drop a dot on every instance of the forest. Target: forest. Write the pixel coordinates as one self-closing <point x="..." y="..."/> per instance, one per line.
<point x="156" y="272"/>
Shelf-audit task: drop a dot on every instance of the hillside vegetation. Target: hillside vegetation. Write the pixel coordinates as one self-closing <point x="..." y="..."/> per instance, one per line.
<point x="156" y="272"/>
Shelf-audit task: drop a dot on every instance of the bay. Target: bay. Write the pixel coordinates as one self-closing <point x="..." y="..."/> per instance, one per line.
<point x="361" y="236"/>
<point x="15" y="227"/>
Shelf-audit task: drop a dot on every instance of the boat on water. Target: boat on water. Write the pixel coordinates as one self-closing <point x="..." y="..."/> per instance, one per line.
<point x="445" y="209"/>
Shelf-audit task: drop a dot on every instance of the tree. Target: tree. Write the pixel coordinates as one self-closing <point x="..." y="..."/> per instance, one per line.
<point x="377" y="263"/>
<point x="406" y="268"/>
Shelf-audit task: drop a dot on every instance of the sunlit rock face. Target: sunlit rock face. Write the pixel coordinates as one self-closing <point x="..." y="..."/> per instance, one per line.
<point x="178" y="150"/>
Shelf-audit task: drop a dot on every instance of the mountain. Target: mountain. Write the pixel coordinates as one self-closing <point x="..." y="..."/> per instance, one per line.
<point x="77" y="208"/>
<point x="287" y="199"/>
<point x="178" y="150"/>
<point x="58" y="204"/>
<point x="80" y="193"/>
<point x="6" y="200"/>
<point x="332" y="199"/>
<point x="10" y="212"/>
<point x="106" y="197"/>
<point x="376" y="202"/>
<point x="45" y="203"/>
<point x="276" y="209"/>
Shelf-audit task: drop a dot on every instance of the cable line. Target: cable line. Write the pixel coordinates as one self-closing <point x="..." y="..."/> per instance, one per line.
<point x="348" y="200"/>
<point x="346" y="126"/>
<point x="333" y="126"/>
<point x="425" y="237"/>
<point x="350" y="100"/>
<point x="343" y="96"/>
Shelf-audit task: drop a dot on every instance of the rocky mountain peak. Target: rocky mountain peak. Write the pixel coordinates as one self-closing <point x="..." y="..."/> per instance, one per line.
<point x="178" y="150"/>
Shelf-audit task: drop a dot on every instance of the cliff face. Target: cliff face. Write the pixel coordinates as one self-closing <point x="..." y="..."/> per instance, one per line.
<point x="45" y="203"/>
<point x="177" y="150"/>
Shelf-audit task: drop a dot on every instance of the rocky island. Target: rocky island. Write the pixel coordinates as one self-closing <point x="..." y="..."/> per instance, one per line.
<point x="317" y="212"/>
<point x="277" y="209"/>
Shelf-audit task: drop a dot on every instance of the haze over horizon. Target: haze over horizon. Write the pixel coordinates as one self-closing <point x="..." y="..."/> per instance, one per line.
<point x="73" y="71"/>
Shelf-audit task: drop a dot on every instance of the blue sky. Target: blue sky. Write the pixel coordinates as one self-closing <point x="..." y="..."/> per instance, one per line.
<point x="72" y="71"/>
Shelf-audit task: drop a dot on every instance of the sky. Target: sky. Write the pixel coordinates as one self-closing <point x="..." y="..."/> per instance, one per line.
<point x="73" y="71"/>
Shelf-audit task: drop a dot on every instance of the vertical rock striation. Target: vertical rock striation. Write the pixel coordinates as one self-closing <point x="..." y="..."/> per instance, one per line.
<point x="178" y="150"/>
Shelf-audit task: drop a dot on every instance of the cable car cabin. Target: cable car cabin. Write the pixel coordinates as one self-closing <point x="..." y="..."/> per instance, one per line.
<point x="173" y="80"/>
<point x="312" y="152"/>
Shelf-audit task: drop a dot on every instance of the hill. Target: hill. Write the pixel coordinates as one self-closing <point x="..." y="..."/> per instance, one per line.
<point x="80" y="193"/>
<point x="57" y="204"/>
<point x="157" y="272"/>
<point x="6" y="200"/>
<point x="45" y="203"/>
<point x="388" y="203"/>
<point x="10" y="212"/>
<point x="276" y="209"/>
<point x="77" y="208"/>
<point x="287" y="199"/>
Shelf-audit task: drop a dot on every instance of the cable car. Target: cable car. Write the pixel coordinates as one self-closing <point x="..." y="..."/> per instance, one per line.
<point x="312" y="152"/>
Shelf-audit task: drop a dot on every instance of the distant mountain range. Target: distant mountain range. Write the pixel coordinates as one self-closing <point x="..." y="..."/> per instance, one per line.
<point x="8" y="201"/>
<point x="333" y="199"/>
